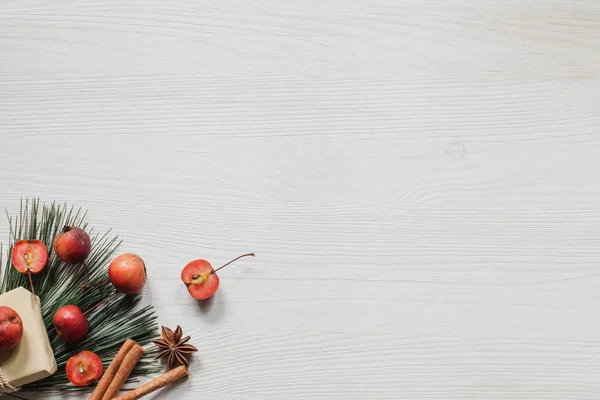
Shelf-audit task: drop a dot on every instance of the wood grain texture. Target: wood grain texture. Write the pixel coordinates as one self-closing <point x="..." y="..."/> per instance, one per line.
<point x="419" y="181"/>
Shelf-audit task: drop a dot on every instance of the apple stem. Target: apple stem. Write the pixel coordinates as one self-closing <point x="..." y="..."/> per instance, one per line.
<point x="235" y="259"/>
<point x="100" y="302"/>
<point x="87" y="286"/>
<point x="30" y="282"/>
<point x="87" y="276"/>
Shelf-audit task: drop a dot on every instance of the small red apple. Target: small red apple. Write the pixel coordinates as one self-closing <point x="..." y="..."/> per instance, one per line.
<point x="201" y="279"/>
<point x="29" y="256"/>
<point x="71" y="324"/>
<point x="127" y="273"/>
<point x="11" y="328"/>
<point x="72" y="245"/>
<point x="83" y="368"/>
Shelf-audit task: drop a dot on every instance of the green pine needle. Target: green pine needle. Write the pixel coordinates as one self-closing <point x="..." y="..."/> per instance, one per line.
<point x="59" y="284"/>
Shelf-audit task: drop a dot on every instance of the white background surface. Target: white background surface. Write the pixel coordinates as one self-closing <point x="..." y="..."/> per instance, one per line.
<point x="419" y="181"/>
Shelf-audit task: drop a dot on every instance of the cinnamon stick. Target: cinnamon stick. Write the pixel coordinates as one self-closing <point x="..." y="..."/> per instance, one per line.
<point x="129" y="362"/>
<point x="111" y="371"/>
<point x="172" y="376"/>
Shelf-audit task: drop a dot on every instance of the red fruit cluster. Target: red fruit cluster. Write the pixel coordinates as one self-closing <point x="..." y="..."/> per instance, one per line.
<point x="127" y="273"/>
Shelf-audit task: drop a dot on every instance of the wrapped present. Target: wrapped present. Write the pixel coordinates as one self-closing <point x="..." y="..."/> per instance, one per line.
<point x="33" y="358"/>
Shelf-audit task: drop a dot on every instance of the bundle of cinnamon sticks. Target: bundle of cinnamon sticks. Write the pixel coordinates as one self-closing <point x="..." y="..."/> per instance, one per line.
<point x="119" y="370"/>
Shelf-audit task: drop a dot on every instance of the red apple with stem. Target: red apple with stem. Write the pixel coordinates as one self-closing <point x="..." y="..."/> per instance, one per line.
<point x="72" y="246"/>
<point x="29" y="257"/>
<point x="11" y="328"/>
<point x="83" y="368"/>
<point x="201" y="279"/>
<point x="70" y="323"/>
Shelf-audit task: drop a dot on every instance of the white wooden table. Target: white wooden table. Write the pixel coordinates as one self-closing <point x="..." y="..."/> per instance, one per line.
<point x="420" y="182"/>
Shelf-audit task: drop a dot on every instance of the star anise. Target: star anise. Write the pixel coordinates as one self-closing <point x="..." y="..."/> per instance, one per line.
<point x="174" y="346"/>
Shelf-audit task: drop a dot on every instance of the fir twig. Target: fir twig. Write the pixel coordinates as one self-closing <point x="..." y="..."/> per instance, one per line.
<point x="60" y="284"/>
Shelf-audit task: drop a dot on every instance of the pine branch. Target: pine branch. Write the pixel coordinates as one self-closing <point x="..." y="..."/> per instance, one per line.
<point x="60" y="284"/>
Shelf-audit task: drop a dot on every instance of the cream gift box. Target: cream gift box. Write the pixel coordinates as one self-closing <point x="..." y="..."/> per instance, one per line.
<point x="33" y="358"/>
